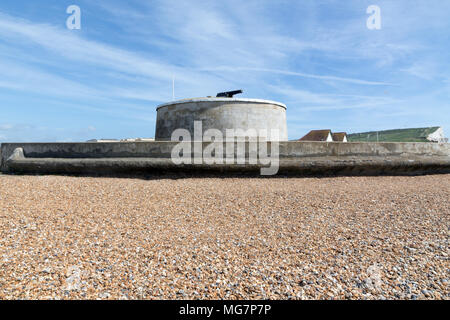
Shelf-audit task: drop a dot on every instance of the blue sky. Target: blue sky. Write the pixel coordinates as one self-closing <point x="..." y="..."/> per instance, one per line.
<point x="317" y="57"/>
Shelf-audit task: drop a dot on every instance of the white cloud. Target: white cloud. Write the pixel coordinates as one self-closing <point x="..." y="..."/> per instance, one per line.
<point x="424" y="70"/>
<point x="6" y="126"/>
<point x="300" y="74"/>
<point x="74" y="47"/>
<point x="299" y="53"/>
<point x="303" y="96"/>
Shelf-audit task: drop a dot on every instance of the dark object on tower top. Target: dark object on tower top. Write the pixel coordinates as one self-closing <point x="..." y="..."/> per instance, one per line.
<point x="228" y="94"/>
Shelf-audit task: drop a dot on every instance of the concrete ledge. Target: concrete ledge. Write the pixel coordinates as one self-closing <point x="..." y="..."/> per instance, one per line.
<point x="331" y="165"/>
<point x="295" y="157"/>
<point x="223" y="100"/>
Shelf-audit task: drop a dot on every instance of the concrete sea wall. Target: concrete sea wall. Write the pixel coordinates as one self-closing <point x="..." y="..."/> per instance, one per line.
<point x="294" y="157"/>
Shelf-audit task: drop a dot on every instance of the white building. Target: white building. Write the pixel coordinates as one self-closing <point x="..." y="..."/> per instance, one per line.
<point x="437" y="136"/>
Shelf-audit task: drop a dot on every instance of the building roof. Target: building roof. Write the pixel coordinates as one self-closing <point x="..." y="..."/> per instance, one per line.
<point x="316" y="135"/>
<point x="339" y="136"/>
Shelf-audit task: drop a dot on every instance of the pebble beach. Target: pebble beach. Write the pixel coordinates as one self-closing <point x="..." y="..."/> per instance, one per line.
<point x="67" y="237"/>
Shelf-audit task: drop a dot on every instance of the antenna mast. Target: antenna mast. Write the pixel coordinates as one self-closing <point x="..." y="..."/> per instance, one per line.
<point x="173" y="88"/>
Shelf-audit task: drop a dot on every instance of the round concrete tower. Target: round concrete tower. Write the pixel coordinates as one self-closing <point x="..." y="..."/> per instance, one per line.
<point x="221" y="113"/>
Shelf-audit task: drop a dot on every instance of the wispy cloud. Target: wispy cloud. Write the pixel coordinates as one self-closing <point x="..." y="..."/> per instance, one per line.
<point x="67" y="46"/>
<point x="299" y="74"/>
<point x="33" y="133"/>
<point x="422" y="69"/>
<point x="73" y="47"/>
<point x="311" y="101"/>
<point x="318" y="57"/>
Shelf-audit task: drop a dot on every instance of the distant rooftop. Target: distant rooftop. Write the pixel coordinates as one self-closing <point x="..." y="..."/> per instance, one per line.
<point x="339" y="136"/>
<point x="317" y="135"/>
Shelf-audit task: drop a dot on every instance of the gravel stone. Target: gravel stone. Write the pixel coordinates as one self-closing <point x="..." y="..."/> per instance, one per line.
<point x="224" y="238"/>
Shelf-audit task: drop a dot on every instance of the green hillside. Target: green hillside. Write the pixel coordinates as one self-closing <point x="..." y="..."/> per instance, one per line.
<point x="395" y="135"/>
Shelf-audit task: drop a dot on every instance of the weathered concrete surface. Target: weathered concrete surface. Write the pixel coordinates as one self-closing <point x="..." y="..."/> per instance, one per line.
<point x="295" y="157"/>
<point x="307" y="166"/>
<point x="221" y="114"/>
